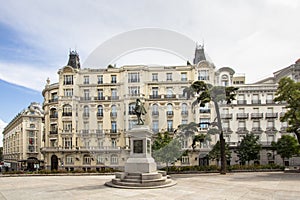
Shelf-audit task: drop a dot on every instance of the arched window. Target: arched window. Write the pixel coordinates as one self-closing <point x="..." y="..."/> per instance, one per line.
<point x="53" y="113"/>
<point x="114" y="110"/>
<point x="169" y="92"/>
<point x="169" y="109"/>
<point x="100" y="111"/>
<point x="131" y="108"/>
<point x="155" y="109"/>
<point x="184" y="109"/>
<point x="67" y="110"/>
<point x="86" y="111"/>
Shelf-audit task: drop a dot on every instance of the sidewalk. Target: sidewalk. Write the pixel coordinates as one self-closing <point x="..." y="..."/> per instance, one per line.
<point x="263" y="185"/>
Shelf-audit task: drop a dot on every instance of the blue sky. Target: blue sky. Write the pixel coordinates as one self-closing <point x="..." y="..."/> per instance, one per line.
<point x="253" y="37"/>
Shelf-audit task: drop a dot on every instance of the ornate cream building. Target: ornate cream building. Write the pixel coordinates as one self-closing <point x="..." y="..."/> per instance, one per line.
<point x="89" y="111"/>
<point x="22" y="140"/>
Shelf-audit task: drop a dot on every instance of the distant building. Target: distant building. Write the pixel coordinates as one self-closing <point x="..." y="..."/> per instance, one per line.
<point x="22" y="140"/>
<point x="89" y="111"/>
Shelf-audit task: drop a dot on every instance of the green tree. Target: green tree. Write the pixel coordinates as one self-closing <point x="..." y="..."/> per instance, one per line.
<point x="286" y="147"/>
<point x="166" y="149"/>
<point x="215" y="153"/>
<point x="207" y="93"/>
<point x="249" y="148"/>
<point x="289" y="91"/>
<point x="188" y="130"/>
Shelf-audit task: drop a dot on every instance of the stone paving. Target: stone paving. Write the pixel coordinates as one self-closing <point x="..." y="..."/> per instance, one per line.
<point x="262" y="185"/>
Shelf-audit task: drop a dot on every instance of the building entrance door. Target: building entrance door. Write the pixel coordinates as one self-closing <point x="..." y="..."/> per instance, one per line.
<point x="54" y="162"/>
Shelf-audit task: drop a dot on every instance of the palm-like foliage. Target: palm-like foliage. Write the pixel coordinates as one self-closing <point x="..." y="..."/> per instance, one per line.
<point x="187" y="130"/>
<point x="207" y="93"/>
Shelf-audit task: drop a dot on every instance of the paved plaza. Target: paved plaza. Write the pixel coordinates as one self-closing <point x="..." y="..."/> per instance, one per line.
<point x="263" y="185"/>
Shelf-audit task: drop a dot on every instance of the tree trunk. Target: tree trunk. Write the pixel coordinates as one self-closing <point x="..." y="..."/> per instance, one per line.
<point x="298" y="136"/>
<point x="222" y="140"/>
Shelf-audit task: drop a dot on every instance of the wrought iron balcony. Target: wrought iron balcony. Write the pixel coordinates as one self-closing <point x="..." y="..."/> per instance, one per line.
<point x="170" y="129"/>
<point x="155" y="96"/>
<point x="53" y="132"/>
<point x="226" y="130"/>
<point x="155" y="113"/>
<point x="242" y="115"/>
<point x="240" y="102"/>
<point x="67" y="114"/>
<point x="53" y="100"/>
<point x="99" y="114"/>
<point x="86" y="114"/>
<point x="184" y="112"/>
<point x="170" y="113"/>
<point x="256" y="129"/>
<point x="54" y="116"/>
<point x="256" y="101"/>
<point x="113" y="130"/>
<point x="270" y="101"/>
<point x="242" y="130"/>
<point x="271" y="129"/>
<point x="100" y="98"/>
<point x="113" y="114"/>
<point x="204" y="110"/>
<point x="170" y="96"/>
<point x="271" y="115"/>
<point x="256" y="115"/>
<point x="226" y="116"/>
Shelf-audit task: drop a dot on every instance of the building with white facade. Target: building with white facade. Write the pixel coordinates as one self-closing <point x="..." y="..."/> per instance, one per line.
<point x="89" y="111"/>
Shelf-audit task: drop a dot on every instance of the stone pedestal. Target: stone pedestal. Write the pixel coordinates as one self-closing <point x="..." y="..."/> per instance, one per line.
<point x="140" y="167"/>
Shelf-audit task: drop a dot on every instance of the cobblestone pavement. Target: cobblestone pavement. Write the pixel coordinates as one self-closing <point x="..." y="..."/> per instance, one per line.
<point x="262" y="185"/>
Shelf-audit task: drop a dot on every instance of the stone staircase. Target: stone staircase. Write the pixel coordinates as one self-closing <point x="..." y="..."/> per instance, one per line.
<point x="141" y="180"/>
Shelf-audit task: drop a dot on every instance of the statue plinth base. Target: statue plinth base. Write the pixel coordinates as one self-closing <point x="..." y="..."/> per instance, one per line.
<point x="140" y="167"/>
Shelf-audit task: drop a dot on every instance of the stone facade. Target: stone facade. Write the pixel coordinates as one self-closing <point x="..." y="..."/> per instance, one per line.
<point x="89" y="112"/>
<point x="22" y="140"/>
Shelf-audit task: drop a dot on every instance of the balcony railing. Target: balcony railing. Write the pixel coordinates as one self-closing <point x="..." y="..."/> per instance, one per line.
<point x="85" y="98"/>
<point x="99" y="114"/>
<point x="113" y="131"/>
<point x="170" y="113"/>
<point x="242" y="115"/>
<point x="113" y="114"/>
<point x="256" y="129"/>
<point x="170" y="129"/>
<point x="155" y="96"/>
<point x="256" y="115"/>
<point x="205" y="110"/>
<point x="155" y="113"/>
<point x="170" y="96"/>
<point x="226" y="116"/>
<point x="256" y="101"/>
<point x="271" y="115"/>
<point x="227" y="130"/>
<point x="113" y="98"/>
<point x="67" y="114"/>
<point x="100" y="98"/>
<point x="270" y="101"/>
<point x="240" y="102"/>
<point x="53" y="132"/>
<point x="54" y="116"/>
<point x="271" y="129"/>
<point x="53" y="100"/>
<point x="86" y="114"/>
<point x="283" y="129"/>
<point x="184" y="112"/>
<point x="242" y="130"/>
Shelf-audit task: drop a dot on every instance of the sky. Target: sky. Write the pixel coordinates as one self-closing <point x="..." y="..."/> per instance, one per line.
<point x="256" y="37"/>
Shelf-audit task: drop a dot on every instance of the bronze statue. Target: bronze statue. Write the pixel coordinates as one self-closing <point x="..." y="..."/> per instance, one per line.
<point x="139" y="110"/>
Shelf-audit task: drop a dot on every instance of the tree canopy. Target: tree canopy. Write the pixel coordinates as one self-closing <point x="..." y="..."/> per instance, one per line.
<point x="289" y="91"/>
<point x="166" y="149"/>
<point x="286" y="146"/>
<point x="215" y="154"/>
<point x="249" y="148"/>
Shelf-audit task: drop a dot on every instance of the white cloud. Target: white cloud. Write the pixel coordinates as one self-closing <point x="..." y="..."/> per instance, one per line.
<point x="29" y="76"/>
<point x="249" y="36"/>
<point x="2" y="126"/>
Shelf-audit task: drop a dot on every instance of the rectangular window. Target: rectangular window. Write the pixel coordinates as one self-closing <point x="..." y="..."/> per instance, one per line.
<point x="67" y="126"/>
<point x="113" y="79"/>
<point x="133" y="77"/>
<point x="86" y="80"/>
<point x="203" y="75"/>
<point x="100" y="159"/>
<point x="131" y="123"/>
<point x="69" y="160"/>
<point x="114" y="126"/>
<point x="204" y="123"/>
<point x="114" y="143"/>
<point x="155" y="92"/>
<point x="67" y="143"/>
<point x="154" y="77"/>
<point x="134" y="91"/>
<point x="170" y="125"/>
<point x="184" y="143"/>
<point x="100" y="79"/>
<point x="169" y="77"/>
<point x="100" y="94"/>
<point x="185" y="160"/>
<point x="184" y="121"/>
<point x="86" y="94"/>
<point x="183" y="76"/>
<point x="114" y="159"/>
<point x="68" y="79"/>
<point x="114" y="93"/>
<point x="155" y="126"/>
<point x="68" y="92"/>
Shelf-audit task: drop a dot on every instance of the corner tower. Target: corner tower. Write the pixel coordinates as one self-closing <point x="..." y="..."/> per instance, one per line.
<point x="199" y="54"/>
<point x="74" y="60"/>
